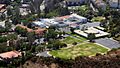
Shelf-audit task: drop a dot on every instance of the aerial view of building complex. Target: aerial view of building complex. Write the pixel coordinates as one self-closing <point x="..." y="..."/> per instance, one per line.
<point x="59" y="33"/>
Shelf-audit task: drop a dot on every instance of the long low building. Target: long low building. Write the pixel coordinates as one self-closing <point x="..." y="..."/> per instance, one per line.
<point x="98" y="33"/>
<point x="72" y="20"/>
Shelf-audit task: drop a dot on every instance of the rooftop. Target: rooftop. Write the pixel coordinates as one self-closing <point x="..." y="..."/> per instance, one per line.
<point x="97" y="32"/>
<point x="37" y="30"/>
<point x="11" y="54"/>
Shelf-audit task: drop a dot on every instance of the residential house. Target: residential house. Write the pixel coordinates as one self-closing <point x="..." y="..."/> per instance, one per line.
<point x="9" y="55"/>
<point x="38" y="31"/>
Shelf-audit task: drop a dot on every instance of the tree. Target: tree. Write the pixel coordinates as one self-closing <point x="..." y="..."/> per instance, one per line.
<point x="12" y="36"/>
<point x="51" y="34"/>
<point x="21" y="31"/>
<point x="15" y="12"/>
<point x="9" y="11"/>
<point x="12" y="40"/>
<point x="8" y="25"/>
<point x="91" y="36"/>
<point x="31" y="37"/>
<point x="72" y="29"/>
<point x="40" y="48"/>
<point x="103" y="23"/>
<point x="2" y="17"/>
<point x="3" y="39"/>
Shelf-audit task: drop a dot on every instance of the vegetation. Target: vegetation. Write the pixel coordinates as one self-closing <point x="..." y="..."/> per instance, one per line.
<point x="97" y="19"/>
<point x="91" y="37"/>
<point x="21" y="31"/>
<point x="3" y="39"/>
<point x="70" y="40"/>
<point x="86" y="49"/>
<point x="61" y="11"/>
<point x="63" y="49"/>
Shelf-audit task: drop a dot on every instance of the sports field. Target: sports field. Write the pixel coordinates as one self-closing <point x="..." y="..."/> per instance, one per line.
<point x="83" y="49"/>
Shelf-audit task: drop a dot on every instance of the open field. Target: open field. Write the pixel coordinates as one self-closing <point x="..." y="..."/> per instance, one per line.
<point x="70" y="40"/>
<point x="98" y="19"/>
<point x="83" y="49"/>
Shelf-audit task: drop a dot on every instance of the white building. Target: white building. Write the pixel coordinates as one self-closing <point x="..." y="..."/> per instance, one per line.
<point x="98" y="33"/>
<point x="80" y="18"/>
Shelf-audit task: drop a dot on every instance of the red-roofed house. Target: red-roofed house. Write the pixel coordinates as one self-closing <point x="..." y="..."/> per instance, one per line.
<point x="63" y="17"/>
<point x="9" y="55"/>
<point x="38" y="31"/>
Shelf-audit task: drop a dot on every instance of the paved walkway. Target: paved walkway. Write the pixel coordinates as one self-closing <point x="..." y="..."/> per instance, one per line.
<point x="107" y="42"/>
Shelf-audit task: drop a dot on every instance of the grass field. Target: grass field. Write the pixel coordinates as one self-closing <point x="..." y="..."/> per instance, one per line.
<point x="97" y="19"/>
<point x="81" y="38"/>
<point x="70" y="40"/>
<point x="84" y="49"/>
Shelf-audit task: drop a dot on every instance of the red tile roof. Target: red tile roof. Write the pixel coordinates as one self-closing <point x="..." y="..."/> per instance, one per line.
<point x="64" y="17"/>
<point x="39" y="31"/>
<point x="10" y="54"/>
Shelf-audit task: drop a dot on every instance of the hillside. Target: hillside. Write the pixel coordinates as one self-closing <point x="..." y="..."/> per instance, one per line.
<point x="110" y="60"/>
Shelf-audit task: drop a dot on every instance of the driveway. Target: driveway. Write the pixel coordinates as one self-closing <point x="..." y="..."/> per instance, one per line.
<point x="107" y="42"/>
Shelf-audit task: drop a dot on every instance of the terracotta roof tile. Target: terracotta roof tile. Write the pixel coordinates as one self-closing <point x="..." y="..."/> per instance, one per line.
<point x="10" y="54"/>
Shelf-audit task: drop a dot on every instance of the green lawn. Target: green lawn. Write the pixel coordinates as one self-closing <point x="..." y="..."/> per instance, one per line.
<point x="86" y="49"/>
<point x="81" y="38"/>
<point x="70" y="40"/>
<point x="97" y="19"/>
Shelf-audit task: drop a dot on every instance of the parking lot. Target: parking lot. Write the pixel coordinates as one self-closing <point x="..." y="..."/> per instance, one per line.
<point x="107" y="42"/>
